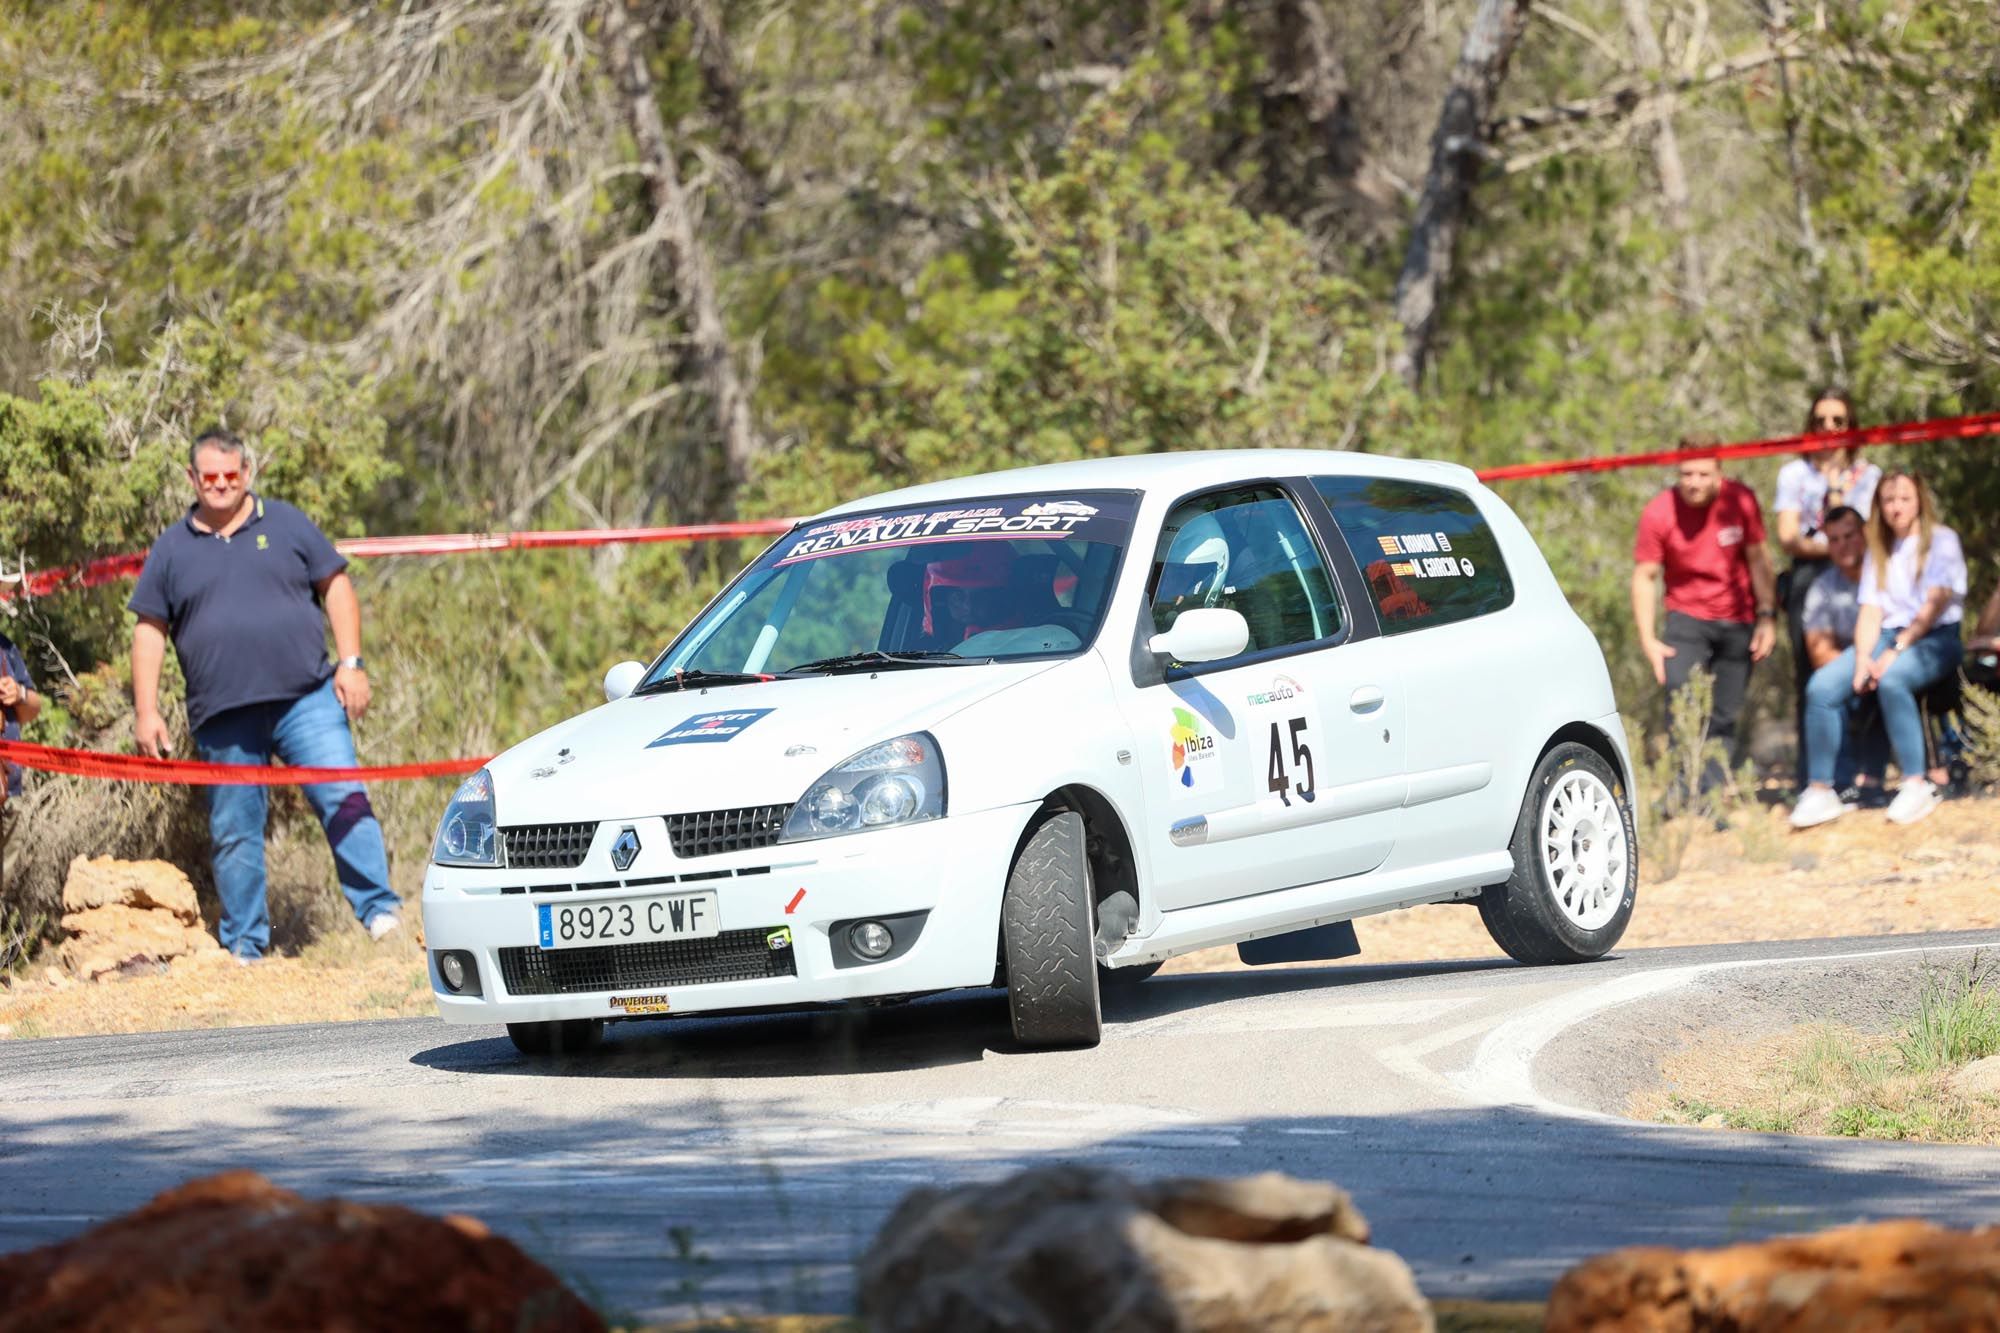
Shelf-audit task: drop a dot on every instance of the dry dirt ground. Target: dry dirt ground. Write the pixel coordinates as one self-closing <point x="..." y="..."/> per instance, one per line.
<point x="1758" y="881"/>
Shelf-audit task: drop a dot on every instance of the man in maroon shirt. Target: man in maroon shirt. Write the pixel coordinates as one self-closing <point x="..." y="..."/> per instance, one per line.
<point x="1705" y="535"/>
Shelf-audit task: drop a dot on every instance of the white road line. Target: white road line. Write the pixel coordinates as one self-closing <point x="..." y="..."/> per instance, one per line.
<point x="1502" y="1072"/>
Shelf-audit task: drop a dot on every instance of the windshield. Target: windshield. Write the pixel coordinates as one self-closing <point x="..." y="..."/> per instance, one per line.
<point x="978" y="580"/>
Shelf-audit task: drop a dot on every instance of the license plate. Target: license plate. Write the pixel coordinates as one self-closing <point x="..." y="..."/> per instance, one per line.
<point x="681" y="916"/>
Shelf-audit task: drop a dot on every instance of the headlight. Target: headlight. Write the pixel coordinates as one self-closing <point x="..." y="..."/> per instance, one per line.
<point x="897" y="782"/>
<point x="466" y="835"/>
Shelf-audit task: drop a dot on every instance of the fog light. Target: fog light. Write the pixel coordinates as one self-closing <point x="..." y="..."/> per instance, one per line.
<point x="451" y="967"/>
<point x="870" y="939"/>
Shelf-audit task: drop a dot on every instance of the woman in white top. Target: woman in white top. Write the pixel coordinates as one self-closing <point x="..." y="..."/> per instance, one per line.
<point x="1809" y="488"/>
<point x="1912" y="599"/>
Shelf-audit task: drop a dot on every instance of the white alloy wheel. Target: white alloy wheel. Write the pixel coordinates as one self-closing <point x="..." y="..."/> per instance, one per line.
<point x="1583" y="848"/>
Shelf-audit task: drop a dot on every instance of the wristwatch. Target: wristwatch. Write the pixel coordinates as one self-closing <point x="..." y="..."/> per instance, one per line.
<point x="1764" y="613"/>
<point x="356" y="663"/>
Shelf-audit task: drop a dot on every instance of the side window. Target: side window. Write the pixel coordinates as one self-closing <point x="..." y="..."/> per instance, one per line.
<point x="1428" y="556"/>
<point x="1247" y="550"/>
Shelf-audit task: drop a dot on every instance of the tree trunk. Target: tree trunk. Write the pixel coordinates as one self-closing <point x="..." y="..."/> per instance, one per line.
<point x="1309" y="69"/>
<point x="722" y="91"/>
<point x="709" y="352"/>
<point x="1667" y="157"/>
<point x="1459" y="150"/>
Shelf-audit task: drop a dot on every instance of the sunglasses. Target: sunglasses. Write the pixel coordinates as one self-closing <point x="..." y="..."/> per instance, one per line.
<point x="221" y="478"/>
<point x="1830" y="422"/>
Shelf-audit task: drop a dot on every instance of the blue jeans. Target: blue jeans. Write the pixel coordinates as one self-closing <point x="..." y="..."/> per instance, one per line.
<point x="1844" y="738"/>
<point x="1830" y="695"/>
<point x="307" y="733"/>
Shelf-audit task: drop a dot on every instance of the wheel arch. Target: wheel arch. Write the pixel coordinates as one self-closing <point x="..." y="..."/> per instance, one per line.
<point x="1594" y="739"/>
<point x="1114" y="868"/>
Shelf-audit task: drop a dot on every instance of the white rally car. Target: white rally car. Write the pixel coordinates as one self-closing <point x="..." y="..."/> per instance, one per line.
<point x="1044" y="729"/>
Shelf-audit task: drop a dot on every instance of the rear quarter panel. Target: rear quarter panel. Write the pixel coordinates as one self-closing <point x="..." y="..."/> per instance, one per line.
<point x="1494" y="689"/>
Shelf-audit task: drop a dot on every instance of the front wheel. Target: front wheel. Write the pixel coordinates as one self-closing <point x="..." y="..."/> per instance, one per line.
<point x="570" y="1037"/>
<point x="1576" y="863"/>
<point x="1047" y="932"/>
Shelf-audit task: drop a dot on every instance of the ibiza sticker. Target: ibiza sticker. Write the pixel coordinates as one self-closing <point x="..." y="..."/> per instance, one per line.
<point x="710" y="728"/>
<point x="1193" y="753"/>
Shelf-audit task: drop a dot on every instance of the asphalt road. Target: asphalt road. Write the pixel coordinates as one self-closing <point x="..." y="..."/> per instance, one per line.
<point x="742" y="1164"/>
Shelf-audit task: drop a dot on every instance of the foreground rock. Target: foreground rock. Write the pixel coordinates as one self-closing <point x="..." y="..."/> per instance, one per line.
<point x="1071" y="1249"/>
<point x="1891" y="1275"/>
<point x="128" y="916"/>
<point x="235" y="1252"/>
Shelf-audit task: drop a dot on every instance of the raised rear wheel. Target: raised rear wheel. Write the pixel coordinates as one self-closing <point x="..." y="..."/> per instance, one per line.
<point x="1046" y="930"/>
<point x="1576" y="863"/>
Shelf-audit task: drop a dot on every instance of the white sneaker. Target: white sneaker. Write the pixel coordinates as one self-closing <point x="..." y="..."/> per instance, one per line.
<point x="1916" y="798"/>
<point x="1817" y="805"/>
<point x="382" y="925"/>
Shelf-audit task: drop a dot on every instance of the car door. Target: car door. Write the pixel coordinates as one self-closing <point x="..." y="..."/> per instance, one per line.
<point x="1279" y="766"/>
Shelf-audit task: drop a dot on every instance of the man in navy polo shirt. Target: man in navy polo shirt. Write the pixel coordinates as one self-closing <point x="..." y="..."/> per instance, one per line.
<point x="19" y="704"/>
<point x="238" y="584"/>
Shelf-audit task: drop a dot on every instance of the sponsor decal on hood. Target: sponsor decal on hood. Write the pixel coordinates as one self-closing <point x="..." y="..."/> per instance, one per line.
<point x="711" y="728"/>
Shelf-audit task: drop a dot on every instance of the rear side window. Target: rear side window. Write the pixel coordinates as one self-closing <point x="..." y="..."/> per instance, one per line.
<point x="1426" y="552"/>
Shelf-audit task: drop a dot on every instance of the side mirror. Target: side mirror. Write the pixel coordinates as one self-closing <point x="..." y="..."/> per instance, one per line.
<point x="1203" y="634"/>
<point x="621" y="680"/>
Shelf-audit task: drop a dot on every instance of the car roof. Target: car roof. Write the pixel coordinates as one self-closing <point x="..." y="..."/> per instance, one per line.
<point x="1177" y="473"/>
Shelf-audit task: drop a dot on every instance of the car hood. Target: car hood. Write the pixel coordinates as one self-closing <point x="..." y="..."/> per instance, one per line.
<point x="722" y="747"/>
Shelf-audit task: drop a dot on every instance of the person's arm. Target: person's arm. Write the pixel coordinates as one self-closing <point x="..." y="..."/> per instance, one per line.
<point x="1764" y="589"/>
<point x="1792" y="536"/>
<point x="149" y="649"/>
<point x="1821" y="647"/>
<point x="1867" y="630"/>
<point x="1645" y="606"/>
<point x="343" y="612"/>
<point x="19" y="697"/>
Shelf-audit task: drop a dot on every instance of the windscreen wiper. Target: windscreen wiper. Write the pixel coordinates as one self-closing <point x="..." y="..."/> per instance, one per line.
<point x="875" y="657"/>
<point x="680" y="680"/>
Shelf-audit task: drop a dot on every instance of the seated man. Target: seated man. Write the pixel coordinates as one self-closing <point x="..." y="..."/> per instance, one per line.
<point x="966" y="595"/>
<point x="1847" y="767"/>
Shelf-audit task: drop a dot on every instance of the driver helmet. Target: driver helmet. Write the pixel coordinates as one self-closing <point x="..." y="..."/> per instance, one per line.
<point x="982" y="575"/>
<point x="1197" y="565"/>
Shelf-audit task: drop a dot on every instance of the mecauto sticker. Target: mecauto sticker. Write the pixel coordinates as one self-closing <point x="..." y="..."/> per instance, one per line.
<point x="640" y="1004"/>
<point x="710" y="728"/>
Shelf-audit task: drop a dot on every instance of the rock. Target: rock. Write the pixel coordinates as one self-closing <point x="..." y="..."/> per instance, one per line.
<point x="56" y="979"/>
<point x="106" y="939"/>
<point x="1068" y="1247"/>
<point x="109" y="882"/>
<point x="1888" y="1275"/>
<point x="1981" y="1078"/>
<point x="235" y="1251"/>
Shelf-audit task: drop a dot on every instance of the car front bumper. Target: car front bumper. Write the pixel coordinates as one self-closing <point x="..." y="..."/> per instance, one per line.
<point x="944" y="876"/>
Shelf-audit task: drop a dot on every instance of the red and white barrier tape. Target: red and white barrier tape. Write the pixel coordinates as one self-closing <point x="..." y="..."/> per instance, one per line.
<point x="191" y="773"/>
<point x="111" y="568"/>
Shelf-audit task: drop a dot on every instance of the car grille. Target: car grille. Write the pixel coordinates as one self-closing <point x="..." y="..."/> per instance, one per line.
<point x="547" y="846"/>
<point x="734" y="955"/>
<point x="715" y="831"/>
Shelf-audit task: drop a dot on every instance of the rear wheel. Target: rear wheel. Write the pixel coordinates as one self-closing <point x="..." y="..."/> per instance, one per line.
<point x="1046" y="931"/>
<point x="569" y="1037"/>
<point x="1576" y="863"/>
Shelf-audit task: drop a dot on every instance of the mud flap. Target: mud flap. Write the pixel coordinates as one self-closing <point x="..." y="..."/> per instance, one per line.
<point x="1315" y="944"/>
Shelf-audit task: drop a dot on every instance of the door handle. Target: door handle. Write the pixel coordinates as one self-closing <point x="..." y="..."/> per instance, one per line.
<point x="1366" y="699"/>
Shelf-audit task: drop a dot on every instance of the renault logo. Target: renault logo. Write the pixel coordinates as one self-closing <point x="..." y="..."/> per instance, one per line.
<point x="626" y="850"/>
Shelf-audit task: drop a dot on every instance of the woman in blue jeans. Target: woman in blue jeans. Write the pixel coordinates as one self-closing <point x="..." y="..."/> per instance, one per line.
<point x="1912" y="599"/>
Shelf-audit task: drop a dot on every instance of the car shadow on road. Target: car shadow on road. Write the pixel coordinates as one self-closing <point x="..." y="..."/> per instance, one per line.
<point x="959" y="1027"/>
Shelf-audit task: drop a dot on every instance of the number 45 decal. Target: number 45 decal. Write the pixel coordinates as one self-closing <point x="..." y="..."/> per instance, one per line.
<point x="1279" y="779"/>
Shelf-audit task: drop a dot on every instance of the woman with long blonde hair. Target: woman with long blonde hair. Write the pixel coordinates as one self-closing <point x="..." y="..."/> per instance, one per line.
<point x="1906" y="639"/>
